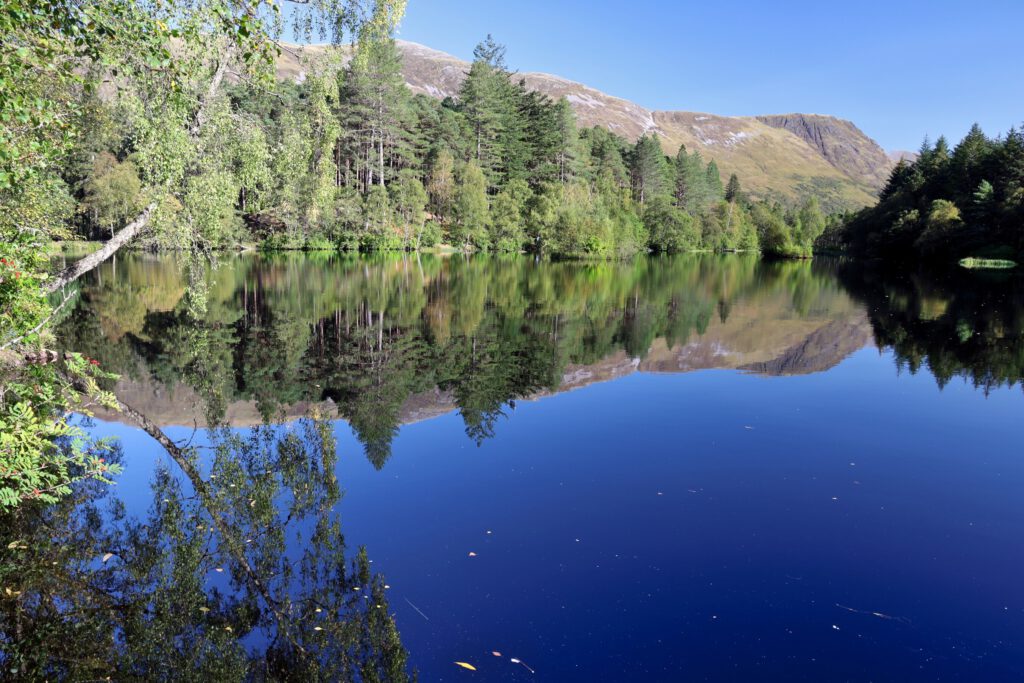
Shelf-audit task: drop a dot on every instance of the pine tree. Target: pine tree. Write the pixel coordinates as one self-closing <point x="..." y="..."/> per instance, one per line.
<point x="732" y="190"/>
<point x="715" y="190"/>
<point x="568" y="141"/>
<point x="691" y="191"/>
<point x="649" y="169"/>
<point x="376" y="111"/>
<point x="486" y="98"/>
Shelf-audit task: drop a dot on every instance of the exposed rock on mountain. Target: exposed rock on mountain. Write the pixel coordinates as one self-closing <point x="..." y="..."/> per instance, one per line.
<point x="791" y="155"/>
<point x="840" y="142"/>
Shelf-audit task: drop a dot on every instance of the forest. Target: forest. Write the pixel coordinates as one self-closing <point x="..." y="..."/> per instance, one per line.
<point x="948" y="204"/>
<point x="350" y="159"/>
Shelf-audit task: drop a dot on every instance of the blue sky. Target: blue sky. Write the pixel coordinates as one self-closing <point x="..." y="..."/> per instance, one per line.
<point x="899" y="69"/>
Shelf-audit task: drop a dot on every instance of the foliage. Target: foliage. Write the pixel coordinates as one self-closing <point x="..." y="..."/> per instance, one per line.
<point x="948" y="205"/>
<point x="42" y="453"/>
<point x="96" y="110"/>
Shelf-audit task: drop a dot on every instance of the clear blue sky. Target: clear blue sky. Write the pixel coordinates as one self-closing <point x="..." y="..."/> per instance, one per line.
<point x="897" y="68"/>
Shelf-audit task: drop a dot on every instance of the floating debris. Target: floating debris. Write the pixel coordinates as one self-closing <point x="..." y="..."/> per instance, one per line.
<point x="472" y="554"/>
<point x="417" y="609"/>
<point x="496" y="653"/>
<point x="879" y="615"/>
<point x="107" y="556"/>
<point x="464" y="665"/>
<point x="523" y="664"/>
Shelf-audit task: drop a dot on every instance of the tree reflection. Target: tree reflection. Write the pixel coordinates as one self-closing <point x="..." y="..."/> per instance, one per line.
<point x="375" y="335"/>
<point x="238" y="571"/>
<point x="953" y="323"/>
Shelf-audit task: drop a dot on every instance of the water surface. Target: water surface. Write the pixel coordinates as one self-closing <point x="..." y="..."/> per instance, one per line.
<point x="693" y="468"/>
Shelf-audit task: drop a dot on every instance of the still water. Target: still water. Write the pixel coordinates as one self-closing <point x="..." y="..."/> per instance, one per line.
<point x="670" y="469"/>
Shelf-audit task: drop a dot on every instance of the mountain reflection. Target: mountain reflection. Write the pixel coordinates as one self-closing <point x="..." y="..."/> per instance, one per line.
<point x="392" y="339"/>
<point x="237" y="572"/>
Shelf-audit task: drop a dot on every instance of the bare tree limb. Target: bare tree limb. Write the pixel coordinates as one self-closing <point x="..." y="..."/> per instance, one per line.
<point x="67" y="297"/>
<point x="83" y="266"/>
<point x="128" y="232"/>
<point x="229" y="539"/>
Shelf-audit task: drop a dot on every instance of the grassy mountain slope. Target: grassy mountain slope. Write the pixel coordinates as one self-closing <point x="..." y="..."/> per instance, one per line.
<point x="790" y="155"/>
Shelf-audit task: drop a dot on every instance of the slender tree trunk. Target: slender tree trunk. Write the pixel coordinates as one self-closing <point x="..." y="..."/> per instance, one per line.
<point x="83" y="266"/>
<point x="80" y="268"/>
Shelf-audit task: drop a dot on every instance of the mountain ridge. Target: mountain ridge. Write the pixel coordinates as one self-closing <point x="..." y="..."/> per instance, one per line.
<point x="787" y="156"/>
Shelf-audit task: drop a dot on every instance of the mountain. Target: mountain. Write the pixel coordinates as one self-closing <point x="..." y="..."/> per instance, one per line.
<point x="789" y="155"/>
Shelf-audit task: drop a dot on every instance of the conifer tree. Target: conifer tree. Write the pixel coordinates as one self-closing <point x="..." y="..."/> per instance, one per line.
<point x="649" y="169"/>
<point x="732" y="189"/>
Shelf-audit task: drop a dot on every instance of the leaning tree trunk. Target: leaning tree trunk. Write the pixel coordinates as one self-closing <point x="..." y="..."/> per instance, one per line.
<point x="128" y="232"/>
<point x="83" y="266"/>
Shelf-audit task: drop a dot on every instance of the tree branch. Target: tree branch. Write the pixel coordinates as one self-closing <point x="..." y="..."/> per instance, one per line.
<point x="83" y="266"/>
<point x="127" y="233"/>
<point x="67" y="297"/>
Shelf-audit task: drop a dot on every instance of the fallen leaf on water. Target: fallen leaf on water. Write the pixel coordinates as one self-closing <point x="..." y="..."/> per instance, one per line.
<point x="107" y="556"/>
<point x="496" y="654"/>
<point x="466" y="666"/>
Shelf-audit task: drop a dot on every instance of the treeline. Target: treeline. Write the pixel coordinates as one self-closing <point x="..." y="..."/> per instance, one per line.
<point x="949" y="204"/>
<point x="349" y="158"/>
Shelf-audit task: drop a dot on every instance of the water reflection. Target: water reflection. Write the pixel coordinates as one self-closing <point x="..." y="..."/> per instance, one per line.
<point x="389" y="340"/>
<point x="394" y="339"/>
<point x="237" y="568"/>
<point x="955" y="324"/>
<point x="237" y="572"/>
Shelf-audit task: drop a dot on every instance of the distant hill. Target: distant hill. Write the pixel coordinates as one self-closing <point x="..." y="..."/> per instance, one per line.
<point x="789" y="155"/>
